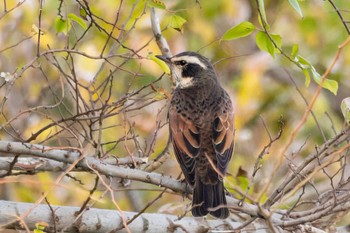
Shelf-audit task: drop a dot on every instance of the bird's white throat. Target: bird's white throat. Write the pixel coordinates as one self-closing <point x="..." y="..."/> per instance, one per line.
<point x="184" y="82"/>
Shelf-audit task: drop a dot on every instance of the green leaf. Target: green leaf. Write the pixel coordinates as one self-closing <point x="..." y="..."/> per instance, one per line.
<point x="264" y="43"/>
<point x="243" y="182"/>
<point x="177" y="22"/>
<point x="304" y="63"/>
<point x="83" y="13"/>
<point x="156" y="4"/>
<point x="278" y="41"/>
<point x="328" y="84"/>
<point x="263" y="14"/>
<point x="159" y="62"/>
<point x="307" y="77"/>
<point x="60" y="25"/>
<point x="345" y="109"/>
<point x="308" y="68"/>
<point x="295" y="5"/>
<point x="331" y="85"/>
<point x="241" y="30"/>
<point x="78" y="20"/>
<point x="295" y="51"/>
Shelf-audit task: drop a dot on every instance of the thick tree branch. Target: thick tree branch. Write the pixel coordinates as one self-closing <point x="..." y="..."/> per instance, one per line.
<point x="99" y="220"/>
<point x="62" y="157"/>
<point x="69" y="156"/>
<point x="33" y="165"/>
<point x="52" y="157"/>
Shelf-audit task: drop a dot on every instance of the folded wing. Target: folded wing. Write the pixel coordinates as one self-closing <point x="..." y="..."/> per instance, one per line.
<point x="186" y="140"/>
<point x="223" y="139"/>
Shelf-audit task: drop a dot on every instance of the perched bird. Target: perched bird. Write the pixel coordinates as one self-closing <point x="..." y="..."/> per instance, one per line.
<point x="201" y="130"/>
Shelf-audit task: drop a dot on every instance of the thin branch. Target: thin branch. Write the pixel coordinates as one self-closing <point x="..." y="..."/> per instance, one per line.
<point x="340" y="16"/>
<point x="40" y="31"/>
<point x="291" y="180"/>
<point x="6" y="11"/>
<point x="161" y="41"/>
<point x="121" y="213"/>
<point x="302" y="121"/>
<point x="18" y="43"/>
<point x="307" y="104"/>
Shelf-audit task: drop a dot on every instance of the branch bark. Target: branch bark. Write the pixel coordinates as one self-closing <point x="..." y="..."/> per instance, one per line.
<point x="69" y="156"/>
<point x="40" y="157"/>
<point x="99" y="220"/>
<point x="63" y="157"/>
<point x="161" y="41"/>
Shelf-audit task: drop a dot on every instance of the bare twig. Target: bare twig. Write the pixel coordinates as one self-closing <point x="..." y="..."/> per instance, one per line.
<point x="39" y="28"/>
<point x="125" y="224"/>
<point x="307" y="104"/>
<point x="305" y="116"/>
<point x="340" y="16"/>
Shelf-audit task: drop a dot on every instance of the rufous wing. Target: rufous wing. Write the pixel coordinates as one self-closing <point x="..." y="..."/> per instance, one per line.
<point x="223" y="139"/>
<point x="186" y="141"/>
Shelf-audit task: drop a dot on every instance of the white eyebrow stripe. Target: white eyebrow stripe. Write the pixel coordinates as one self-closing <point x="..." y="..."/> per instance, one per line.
<point x="190" y="59"/>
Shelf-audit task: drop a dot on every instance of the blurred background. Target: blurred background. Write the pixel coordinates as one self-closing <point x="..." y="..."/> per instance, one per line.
<point x="90" y="83"/>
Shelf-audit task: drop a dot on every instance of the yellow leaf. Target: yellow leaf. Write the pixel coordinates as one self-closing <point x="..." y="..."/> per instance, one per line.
<point x="159" y="62"/>
<point x="36" y="29"/>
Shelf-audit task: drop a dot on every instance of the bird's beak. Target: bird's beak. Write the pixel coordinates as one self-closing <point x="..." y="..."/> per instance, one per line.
<point x="164" y="58"/>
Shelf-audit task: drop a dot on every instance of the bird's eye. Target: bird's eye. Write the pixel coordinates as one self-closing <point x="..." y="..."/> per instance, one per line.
<point x="181" y="62"/>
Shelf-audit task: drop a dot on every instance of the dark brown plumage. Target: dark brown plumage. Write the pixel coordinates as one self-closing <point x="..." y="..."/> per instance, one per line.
<point x="201" y="130"/>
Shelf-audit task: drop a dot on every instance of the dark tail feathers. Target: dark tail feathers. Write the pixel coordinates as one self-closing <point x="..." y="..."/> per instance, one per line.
<point x="207" y="197"/>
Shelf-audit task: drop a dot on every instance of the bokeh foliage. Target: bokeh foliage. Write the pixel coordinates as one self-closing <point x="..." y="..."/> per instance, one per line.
<point x="94" y="82"/>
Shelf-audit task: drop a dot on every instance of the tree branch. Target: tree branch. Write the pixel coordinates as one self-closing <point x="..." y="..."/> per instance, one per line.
<point x="69" y="156"/>
<point x="161" y="41"/>
<point x="99" y="220"/>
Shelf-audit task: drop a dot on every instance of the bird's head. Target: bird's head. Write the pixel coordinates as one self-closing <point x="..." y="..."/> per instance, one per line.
<point x="190" y="69"/>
